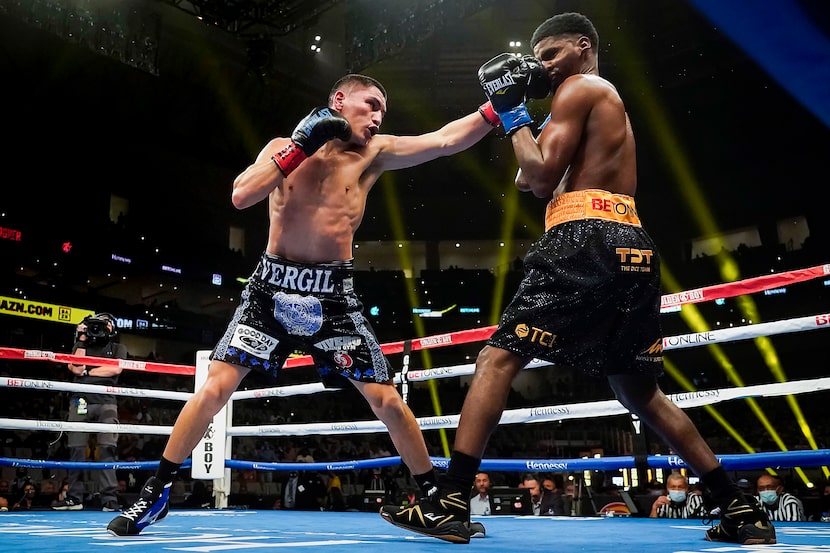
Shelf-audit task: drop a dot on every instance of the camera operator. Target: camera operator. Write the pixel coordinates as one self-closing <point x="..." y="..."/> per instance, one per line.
<point x="94" y="338"/>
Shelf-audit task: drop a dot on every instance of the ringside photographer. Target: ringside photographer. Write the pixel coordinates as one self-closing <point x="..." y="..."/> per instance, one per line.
<point x="94" y="337"/>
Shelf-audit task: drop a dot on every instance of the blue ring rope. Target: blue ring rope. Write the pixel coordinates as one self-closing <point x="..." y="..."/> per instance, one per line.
<point x="776" y="460"/>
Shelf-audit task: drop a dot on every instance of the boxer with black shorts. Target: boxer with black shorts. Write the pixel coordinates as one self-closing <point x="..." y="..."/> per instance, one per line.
<point x="590" y="297"/>
<point x="594" y="307"/>
<point x="300" y="296"/>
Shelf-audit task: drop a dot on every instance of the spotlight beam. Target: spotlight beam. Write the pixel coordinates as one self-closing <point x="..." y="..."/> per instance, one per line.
<point x="393" y="207"/>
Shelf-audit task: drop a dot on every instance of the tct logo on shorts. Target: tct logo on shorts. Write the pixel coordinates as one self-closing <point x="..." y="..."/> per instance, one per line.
<point x="633" y="260"/>
<point x="535" y="335"/>
<point x="253" y="341"/>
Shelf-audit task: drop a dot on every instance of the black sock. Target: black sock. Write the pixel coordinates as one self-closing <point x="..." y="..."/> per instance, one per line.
<point x="721" y="486"/>
<point x="167" y="470"/>
<point x="425" y="481"/>
<point x="462" y="470"/>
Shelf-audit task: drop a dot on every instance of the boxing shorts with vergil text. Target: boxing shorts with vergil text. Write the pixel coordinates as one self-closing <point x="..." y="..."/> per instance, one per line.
<point x="288" y="308"/>
<point x="590" y="295"/>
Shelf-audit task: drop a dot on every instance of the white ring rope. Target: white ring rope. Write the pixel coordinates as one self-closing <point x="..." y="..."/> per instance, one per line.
<point x="746" y="332"/>
<point x="548" y="413"/>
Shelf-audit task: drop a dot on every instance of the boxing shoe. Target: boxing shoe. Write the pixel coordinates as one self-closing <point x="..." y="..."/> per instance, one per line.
<point x="150" y="508"/>
<point x="477" y="530"/>
<point x="743" y="521"/>
<point x="443" y="513"/>
<point x="68" y="504"/>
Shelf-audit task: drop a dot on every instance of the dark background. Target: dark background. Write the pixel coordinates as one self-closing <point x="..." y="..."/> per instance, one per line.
<point x="80" y="126"/>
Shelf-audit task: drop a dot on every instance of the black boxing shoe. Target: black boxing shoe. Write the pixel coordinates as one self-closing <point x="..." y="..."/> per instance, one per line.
<point x="443" y="513"/>
<point x="743" y="521"/>
<point x="150" y="508"/>
<point x="477" y="530"/>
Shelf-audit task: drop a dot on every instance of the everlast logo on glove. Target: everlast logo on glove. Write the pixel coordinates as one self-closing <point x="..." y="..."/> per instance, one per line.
<point x="313" y="118"/>
<point x="497" y="86"/>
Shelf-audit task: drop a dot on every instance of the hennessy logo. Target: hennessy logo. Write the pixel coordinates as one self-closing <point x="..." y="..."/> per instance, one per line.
<point x="535" y="335"/>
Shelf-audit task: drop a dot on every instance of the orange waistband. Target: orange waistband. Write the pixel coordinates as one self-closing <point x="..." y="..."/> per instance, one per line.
<point x="591" y="204"/>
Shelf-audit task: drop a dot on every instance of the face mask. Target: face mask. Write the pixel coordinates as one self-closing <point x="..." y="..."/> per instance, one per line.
<point x="677" y="496"/>
<point x="768" y="496"/>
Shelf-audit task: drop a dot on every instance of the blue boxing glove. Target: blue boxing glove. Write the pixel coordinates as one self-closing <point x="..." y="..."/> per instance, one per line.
<point x="508" y="81"/>
<point x="316" y="128"/>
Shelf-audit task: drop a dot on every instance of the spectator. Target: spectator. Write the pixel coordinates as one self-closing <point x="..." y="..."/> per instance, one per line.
<point x="201" y="497"/>
<point x="334" y="493"/>
<point x="480" y="501"/>
<point x="27" y="501"/>
<point x="5" y="491"/>
<point x="779" y="504"/>
<point x="63" y="491"/>
<point x="48" y="495"/>
<point x="553" y="503"/>
<point x="544" y="502"/>
<point x="21" y="479"/>
<point x="824" y="504"/>
<point x="678" y="501"/>
<point x="305" y="456"/>
<point x="569" y="497"/>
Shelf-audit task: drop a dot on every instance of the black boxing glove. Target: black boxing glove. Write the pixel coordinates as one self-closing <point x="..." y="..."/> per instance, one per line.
<point x="509" y="80"/>
<point x="316" y="128"/>
<point x="538" y="82"/>
<point x="505" y="91"/>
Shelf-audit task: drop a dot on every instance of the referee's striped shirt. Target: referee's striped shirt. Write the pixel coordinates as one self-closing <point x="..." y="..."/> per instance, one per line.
<point x="691" y="508"/>
<point x="787" y="508"/>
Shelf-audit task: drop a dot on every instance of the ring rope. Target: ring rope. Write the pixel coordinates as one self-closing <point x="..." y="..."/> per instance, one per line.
<point x="549" y="413"/>
<point x="746" y="286"/>
<point x="746" y="461"/>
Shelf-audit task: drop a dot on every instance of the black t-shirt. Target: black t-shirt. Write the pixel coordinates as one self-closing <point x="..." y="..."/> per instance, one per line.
<point x="112" y="350"/>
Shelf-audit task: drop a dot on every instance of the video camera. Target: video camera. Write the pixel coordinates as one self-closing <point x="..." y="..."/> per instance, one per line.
<point x="97" y="331"/>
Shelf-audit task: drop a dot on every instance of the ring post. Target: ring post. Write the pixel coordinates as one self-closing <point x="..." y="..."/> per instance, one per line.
<point x="208" y="457"/>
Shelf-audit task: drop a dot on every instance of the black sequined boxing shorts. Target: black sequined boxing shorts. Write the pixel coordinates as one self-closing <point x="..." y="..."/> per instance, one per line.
<point x="288" y="307"/>
<point x="590" y="296"/>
